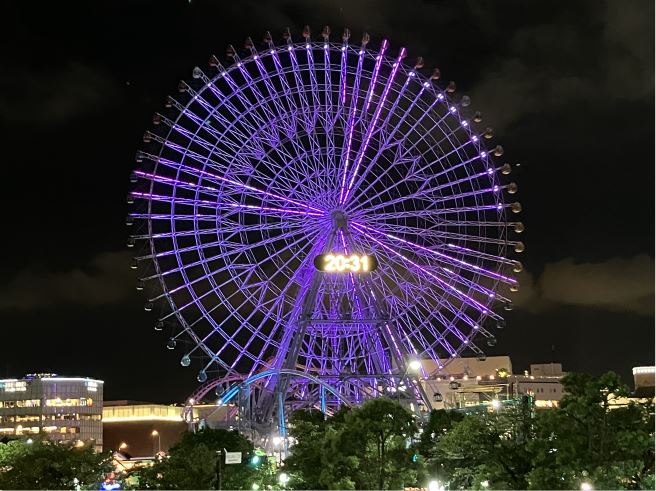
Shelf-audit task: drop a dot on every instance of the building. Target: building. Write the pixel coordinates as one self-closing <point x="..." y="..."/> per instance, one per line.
<point x="466" y="382"/>
<point x="472" y="383"/>
<point x="643" y="389"/>
<point x="63" y="408"/>
<point x="643" y="381"/>
<point x="141" y="429"/>
<point x="542" y="383"/>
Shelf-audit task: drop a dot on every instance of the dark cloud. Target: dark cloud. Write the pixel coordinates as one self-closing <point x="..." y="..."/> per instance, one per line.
<point x="552" y="65"/>
<point x="104" y="280"/>
<point x="618" y="284"/>
<point x="54" y="96"/>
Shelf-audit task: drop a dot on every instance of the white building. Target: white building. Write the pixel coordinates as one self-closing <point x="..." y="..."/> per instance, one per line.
<point x="466" y="382"/>
<point x="472" y="383"/>
<point x="542" y="383"/>
<point x="63" y="408"/>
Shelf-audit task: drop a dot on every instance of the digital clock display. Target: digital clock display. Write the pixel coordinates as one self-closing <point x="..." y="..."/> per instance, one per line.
<point x="342" y="263"/>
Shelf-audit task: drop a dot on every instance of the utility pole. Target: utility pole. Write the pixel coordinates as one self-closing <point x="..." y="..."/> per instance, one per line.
<point x="218" y="469"/>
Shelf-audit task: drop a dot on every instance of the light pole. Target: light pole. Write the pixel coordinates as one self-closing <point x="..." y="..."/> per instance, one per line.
<point x="277" y="443"/>
<point x="154" y="434"/>
<point x="283" y="479"/>
<point x="414" y="366"/>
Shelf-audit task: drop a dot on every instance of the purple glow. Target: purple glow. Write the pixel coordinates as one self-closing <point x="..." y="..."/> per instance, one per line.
<point x="372" y="125"/>
<point x="450" y="288"/>
<point x="441" y="255"/>
<point x="271" y="163"/>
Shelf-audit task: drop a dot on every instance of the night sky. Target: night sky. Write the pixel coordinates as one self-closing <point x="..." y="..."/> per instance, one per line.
<point x="568" y="87"/>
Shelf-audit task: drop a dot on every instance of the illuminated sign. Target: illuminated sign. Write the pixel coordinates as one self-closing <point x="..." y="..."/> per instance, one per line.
<point x="340" y="263"/>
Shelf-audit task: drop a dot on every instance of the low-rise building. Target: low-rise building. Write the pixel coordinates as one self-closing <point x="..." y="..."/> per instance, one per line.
<point x="141" y="429"/>
<point x="63" y="408"/>
<point x="542" y="383"/>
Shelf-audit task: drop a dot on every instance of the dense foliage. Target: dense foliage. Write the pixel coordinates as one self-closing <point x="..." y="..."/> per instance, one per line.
<point x="41" y="464"/>
<point x="380" y="445"/>
<point x="193" y="463"/>
<point x="515" y="447"/>
<point x="369" y="447"/>
<point x="584" y="440"/>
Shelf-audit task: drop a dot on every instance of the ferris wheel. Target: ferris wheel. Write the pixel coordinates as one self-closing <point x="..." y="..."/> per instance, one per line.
<point x="325" y="210"/>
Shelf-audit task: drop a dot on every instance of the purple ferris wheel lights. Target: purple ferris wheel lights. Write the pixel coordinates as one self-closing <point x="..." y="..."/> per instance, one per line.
<point x="311" y="149"/>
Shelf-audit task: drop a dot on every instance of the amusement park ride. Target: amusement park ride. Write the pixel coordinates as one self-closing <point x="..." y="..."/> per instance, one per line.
<point x="316" y="216"/>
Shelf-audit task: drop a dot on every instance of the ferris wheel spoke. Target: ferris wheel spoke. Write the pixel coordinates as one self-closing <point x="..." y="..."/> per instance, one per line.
<point x="278" y="119"/>
<point x="346" y="182"/>
<point x="447" y="287"/>
<point x="372" y="125"/>
<point x="305" y="110"/>
<point x="413" y="292"/>
<point x="319" y="114"/>
<point x="421" y="319"/>
<point x="272" y="119"/>
<point x="217" y="243"/>
<point x="244" y="321"/>
<point x="416" y="293"/>
<point x="197" y="299"/>
<point x="197" y="203"/>
<point x="275" y="301"/>
<point x="390" y="141"/>
<point x="421" y="193"/>
<point x="233" y="249"/>
<point x="350" y="125"/>
<point x="308" y="113"/>
<point x="235" y="184"/>
<point x="422" y="250"/>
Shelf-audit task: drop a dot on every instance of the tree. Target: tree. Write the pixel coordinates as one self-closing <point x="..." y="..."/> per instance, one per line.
<point x="369" y="447"/>
<point x="440" y="422"/>
<point x="486" y="447"/>
<point x="193" y="463"/>
<point x="585" y="439"/>
<point x="43" y="464"/>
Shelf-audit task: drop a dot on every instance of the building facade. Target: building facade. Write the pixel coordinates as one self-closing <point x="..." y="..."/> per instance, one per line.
<point x="62" y="408"/>
<point x="542" y="383"/>
<point x="141" y="429"/>
<point x="471" y="383"/>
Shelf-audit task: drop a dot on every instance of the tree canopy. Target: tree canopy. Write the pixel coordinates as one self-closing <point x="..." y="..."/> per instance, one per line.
<point x="584" y="440"/>
<point x="193" y="463"/>
<point x="41" y="464"/>
<point x="368" y="447"/>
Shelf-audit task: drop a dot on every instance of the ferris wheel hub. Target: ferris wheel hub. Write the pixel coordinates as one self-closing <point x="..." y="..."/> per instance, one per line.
<point x="339" y="219"/>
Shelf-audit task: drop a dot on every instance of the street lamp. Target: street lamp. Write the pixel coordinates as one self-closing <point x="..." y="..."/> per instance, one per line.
<point x="413" y="365"/>
<point x="154" y="434"/>
<point x="123" y="446"/>
<point x="435" y="486"/>
<point x="586" y="486"/>
<point x="283" y="478"/>
<point x="485" y="484"/>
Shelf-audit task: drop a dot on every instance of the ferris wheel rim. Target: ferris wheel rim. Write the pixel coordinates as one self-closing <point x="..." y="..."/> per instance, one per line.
<point x="226" y="72"/>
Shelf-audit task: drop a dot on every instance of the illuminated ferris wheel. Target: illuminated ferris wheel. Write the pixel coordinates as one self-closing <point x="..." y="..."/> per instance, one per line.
<point x="317" y="213"/>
